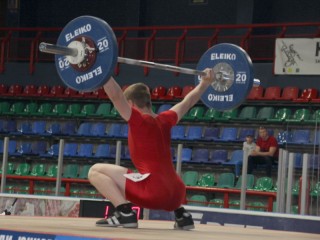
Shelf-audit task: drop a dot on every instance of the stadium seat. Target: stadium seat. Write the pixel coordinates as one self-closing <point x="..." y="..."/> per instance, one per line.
<point x="210" y="115"/>
<point x="236" y="160"/>
<point x="264" y="113"/>
<point x="99" y="129"/>
<point x="281" y="115"/>
<point x="314" y="118"/>
<point x="271" y="93"/>
<point x="307" y="95"/>
<point x="4" y="107"/>
<point x="190" y="178"/>
<point x="228" y="134"/>
<point x="71" y="171"/>
<point x="16" y="108"/>
<point x="246" y="113"/>
<point x="43" y="90"/>
<point x="102" y="151"/>
<point x="59" y="109"/>
<point x="124" y="131"/>
<point x="114" y="130"/>
<point x="114" y="113"/>
<point x="85" y="150"/>
<point x="73" y="110"/>
<point x="216" y="203"/>
<point x="126" y="153"/>
<point x="206" y="180"/>
<point x="30" y="109"/>
<point x="86" y="110"/>
<point x="158" y="92"/>
<point x="219" y="156"/>
<point x="299" y="115"/>
<point x="211" y="133"/>
<point x="264" y="184"/>
<point x="234" y="204"/>
<point x="194" y="133"/>
<point x="315" y="190"/>
<point x="100" y="94"/>
<point x="24" y="148"/>
<point x="38" y="170"/>
<point x="228" y="115"/>
<point x="84" y="171"/>
<point x="44" y="110"/>
<point x="172" y="93"/>
<point x="289" y="93"/>
<point x="164" y="107"/>
<point x="70" y="149"/>
<point x="300" y="136"/>
<point x="250" y="181"/>
<point x="29" y="91"/>
<point x="200" y="155"/>
<point x="52" y="151"/>
<point x="38" y="147"/>
<point x="55" y="91"/>
<point x="178" y="132"/>
<point x="3" y="89"/>
<point x="226" y="180"/>
<point x="186" y="154"/>
<point x="67" y="93"/>
<point x="68" y="128"/>
<point x="54" y="128"/>
<point x="198" y="200"/>
<point x="314" y="162"/>
<point x="23" y="128"/>
<point x="39" y="127"/>
<point x="243" y="132"/>
<point x="10" y="168"/>
<point x="14" y="90"/>
<point x="255" y="93"/>
<point x="23" y="169"/>
<point x="185" y="90"/>
<point x="103" y="110"/>
<point x="194" y="114"/>
<point x="84" y="129"/>
<point x="257" y="206"/>
<point x="52" y="171"/>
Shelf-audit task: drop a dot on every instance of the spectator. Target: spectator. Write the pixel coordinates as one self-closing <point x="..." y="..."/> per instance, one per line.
<point x="266" y="152"/>
<point x="249" y="145"/>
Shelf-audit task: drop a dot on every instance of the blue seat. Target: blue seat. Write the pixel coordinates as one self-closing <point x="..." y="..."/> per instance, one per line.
<point x="68" y="128"/>
<point x="236" y="161"/>
<point x="284" y="137"/>
<point x="300" y="136"/>
<point x="228" y="134"/>
<point x="85" y="150"/>
<point x="70" y="149"/>
<point x="200" y="155"/>
<point x="24" y="149"/>
<point x="99" y="129"/>
<point x="23" y="128"/>
<point x="245" y="132"/>
<point x="1" y="146"/>
<point x="314" y="162"/>
<point x="164" y="107"/>
<point x="39" y="127"/>
<point x="102" y="151"/>
<point x="194" y="133"/>
<point x="114" y="130"/>
<point x="3" y="124"/>
<point x="298" y="160"/>
<point x="12" y="147"/>
<point x="11" y="126"/>
<point x="54" y="129"/>
<point x="84" y="129"/>
<point x="211" y="133"/>
<point x="126" y="153"/>
<point x="39" y="147"/>
<point x="186" y="154"/>
<point x="124" y="130"/>
<point x="219" y="156"/>
<point x="52" y="151"/>
<point x="178" y="132"/>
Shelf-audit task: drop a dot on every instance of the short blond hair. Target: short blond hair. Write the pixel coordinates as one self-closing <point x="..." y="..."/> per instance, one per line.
<point x="139" y="94"/>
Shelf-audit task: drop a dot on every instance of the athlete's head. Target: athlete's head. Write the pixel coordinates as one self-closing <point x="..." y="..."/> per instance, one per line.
<point x="139" y="95"/>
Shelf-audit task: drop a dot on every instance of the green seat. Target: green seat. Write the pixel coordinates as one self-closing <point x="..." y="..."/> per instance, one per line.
<point x="61" y="193"/>
<point x="250" y="182"/>
<point x="281" y="115"/>
<point x="216" y="203"/>
<point x="16" y="108"/>
<point x="194" y="114"/>
<point x="23" y="169"/>
<point x="75" y="192"/>
<point x="206" y="180"/>
<point x="246" y="113"/>
<point x="10" y="189"/>
<point x="52" y="171"/>
<point x="41" y="190"/>
<point x="86" y="110"/>
<point x="210" y="115"/>
<point x="296" y="188"/>
<point x="59" y="109"/>
<point x="38" y="170"/>
<point x="72" y="110"/>
<point x="299" y="115"/>
<point x="71" y="171"/>
<point x="257" y="206"/>
<point x="4" y="107"/>
<point x="315" y="117"/>
<point x="44" y="110"/>
<point x="114" y="113"/>
<point x="264" y="184"/>
<point x="295" y="209"/>
<point x="315" y="192"/>
<point x="228" y="115"/>
<point x="103" y="110"/>
<point x="234" y="204"/>
<point x="190" y="178"/>
<point x="264" y="113"/>
<point x="30" y="108"/>
<point x="22" y="189"/>
<point x="10" y="168"/>
<point x="226" y="180"/>
<point x="84" y="171"/>
<point x="198" y="200"/>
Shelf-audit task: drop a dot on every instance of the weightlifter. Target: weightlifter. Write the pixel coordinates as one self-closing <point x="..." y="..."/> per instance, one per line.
<point x="156" y="185"/>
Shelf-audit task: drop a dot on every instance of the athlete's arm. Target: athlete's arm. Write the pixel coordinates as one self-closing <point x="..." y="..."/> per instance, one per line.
<point x="116" y="96"/>
<point x="193" y="97"/>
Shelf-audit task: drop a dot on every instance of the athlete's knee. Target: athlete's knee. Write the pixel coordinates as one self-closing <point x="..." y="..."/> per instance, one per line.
<point x="93" y="171"/>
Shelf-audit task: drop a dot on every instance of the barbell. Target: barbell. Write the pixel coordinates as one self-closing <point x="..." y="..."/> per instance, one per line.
<point x="86" y="54"/>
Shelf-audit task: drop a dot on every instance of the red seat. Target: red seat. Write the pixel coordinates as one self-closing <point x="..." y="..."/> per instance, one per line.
<point x="30" y="90"/>
<point x="100" y="93"/>
<point x="185" y="90"/>
<point x="43" y="90"/>
<point x="68" y="92"/>
<point x="158" y="92"/>
<point x="307" y="94"/>
<point x="172" y="93"/>
<point x="289" y="93"/>
<point x="271" y="93"/>
<point x="255" y="93"/>
<point x="84" y="95"/>
<point x="3" y="89"/>
<point x="56" y="91"/>
<point x="14" y="90"/>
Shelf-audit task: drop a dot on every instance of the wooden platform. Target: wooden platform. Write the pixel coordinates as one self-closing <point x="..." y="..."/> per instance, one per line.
<point x="85" y="227"/>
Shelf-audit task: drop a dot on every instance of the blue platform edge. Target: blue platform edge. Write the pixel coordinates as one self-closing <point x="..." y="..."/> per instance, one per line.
<point x="17" y="235"/>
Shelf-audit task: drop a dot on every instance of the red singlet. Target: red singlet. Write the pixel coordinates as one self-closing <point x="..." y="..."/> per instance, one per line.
<point x="266" y="144"/>
<point x="149" y="143"/>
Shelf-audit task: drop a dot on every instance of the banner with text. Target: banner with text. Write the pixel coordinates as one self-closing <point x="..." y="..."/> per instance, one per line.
<point x="297" y="56"/>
